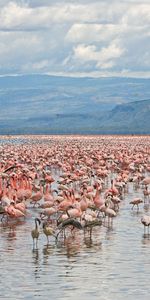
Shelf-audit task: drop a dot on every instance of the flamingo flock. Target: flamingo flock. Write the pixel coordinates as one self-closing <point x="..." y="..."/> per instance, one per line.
<point x="72" y="182"/>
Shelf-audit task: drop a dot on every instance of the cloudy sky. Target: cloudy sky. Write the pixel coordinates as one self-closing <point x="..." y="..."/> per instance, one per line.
<point x="76" y="38"/>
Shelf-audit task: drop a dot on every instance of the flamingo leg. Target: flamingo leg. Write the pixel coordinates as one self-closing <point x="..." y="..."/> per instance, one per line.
<point x="90" y="233"/>
<point x="111" y="222"/>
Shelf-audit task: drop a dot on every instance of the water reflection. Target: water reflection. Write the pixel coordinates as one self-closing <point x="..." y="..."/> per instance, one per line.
<point x="48" y="250"/>
<point x="146" y="238"/>
<point x="110" y="234"/>
<point x="88" y="242"/>
<point x="102" y="266"/>
<point x="12" y="233"/>
<point x="36" y="262"/>
<point x="70" y="246"/>
<point x="135" y="213"/>
<point x="146" y="207"/>
<point x="92" y="244"/>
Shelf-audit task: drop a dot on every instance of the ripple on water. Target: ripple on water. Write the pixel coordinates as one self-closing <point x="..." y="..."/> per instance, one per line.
<point x="114" y="264"/>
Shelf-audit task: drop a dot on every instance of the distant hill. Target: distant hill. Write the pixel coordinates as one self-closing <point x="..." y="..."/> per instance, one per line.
<point x="41" y="104"/>
<point x="133" y="117"/>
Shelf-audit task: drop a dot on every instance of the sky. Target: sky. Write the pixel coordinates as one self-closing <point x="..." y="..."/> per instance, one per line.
<point x="75" y="38"/>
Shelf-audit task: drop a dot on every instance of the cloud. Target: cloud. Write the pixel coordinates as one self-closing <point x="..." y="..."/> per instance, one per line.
<point x="25" y="53"/>
<point x="25" y="15"/>
<point x="104" y="58"/>
<point x="94" y="32"/>
<point x="138" y="15"/>
<point x="36" y="66"/>
<point x="75" y="37"/>
<point x="22" y="17"/>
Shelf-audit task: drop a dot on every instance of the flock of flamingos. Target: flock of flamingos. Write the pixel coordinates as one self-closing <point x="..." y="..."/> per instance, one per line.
<point x="72" y="182"/>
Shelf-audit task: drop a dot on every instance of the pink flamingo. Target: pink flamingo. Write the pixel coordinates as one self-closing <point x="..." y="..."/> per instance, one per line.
<point x="145" y="220"/>
<point x="136" y="202"/>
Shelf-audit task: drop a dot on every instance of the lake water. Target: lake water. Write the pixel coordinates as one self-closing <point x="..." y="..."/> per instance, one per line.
<point x="115" y="264"/>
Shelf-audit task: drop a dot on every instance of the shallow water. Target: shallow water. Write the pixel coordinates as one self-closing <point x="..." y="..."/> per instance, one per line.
<point x="114" y="264"/>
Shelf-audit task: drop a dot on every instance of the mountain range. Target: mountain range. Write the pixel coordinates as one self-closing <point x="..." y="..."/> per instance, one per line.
<point x="43" y="104"/>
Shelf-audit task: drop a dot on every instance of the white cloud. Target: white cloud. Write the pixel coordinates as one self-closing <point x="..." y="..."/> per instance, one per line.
<point x="98" y="37"/>
<point x="138" y="15"/>
<point x="94" y="32"/>
<point x="104" y="58"/>
<point x="37" y="66"/>
<point x="23" y="17"/>
<point x="20" y="16"/>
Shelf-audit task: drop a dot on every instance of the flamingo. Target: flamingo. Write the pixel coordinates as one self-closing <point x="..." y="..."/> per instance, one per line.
<point x="48" y="212"/>
<point x="145" y="220"/>
<point x="37" y="197"/>
<point x="48" y="231"/>
<point x="110" y="213"/>
<point x="35" y="232"/>
<point x="146" y="180"/>
<point x="67" y="223"/>
<point x="136" y="202"/>
<point x="47" y="195"/>
<point x="146" y="193"/>
<point x="97" y="200"/>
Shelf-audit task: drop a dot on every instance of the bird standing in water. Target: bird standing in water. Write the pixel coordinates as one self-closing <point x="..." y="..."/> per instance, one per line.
<point x="35" y="232"/>
<point x="67" y="223"/>
<point x="145" y="220"/>
<point x="48" y="231"/>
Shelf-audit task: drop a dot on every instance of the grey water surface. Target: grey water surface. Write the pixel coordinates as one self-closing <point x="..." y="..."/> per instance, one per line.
<point x="115" y="264"/>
